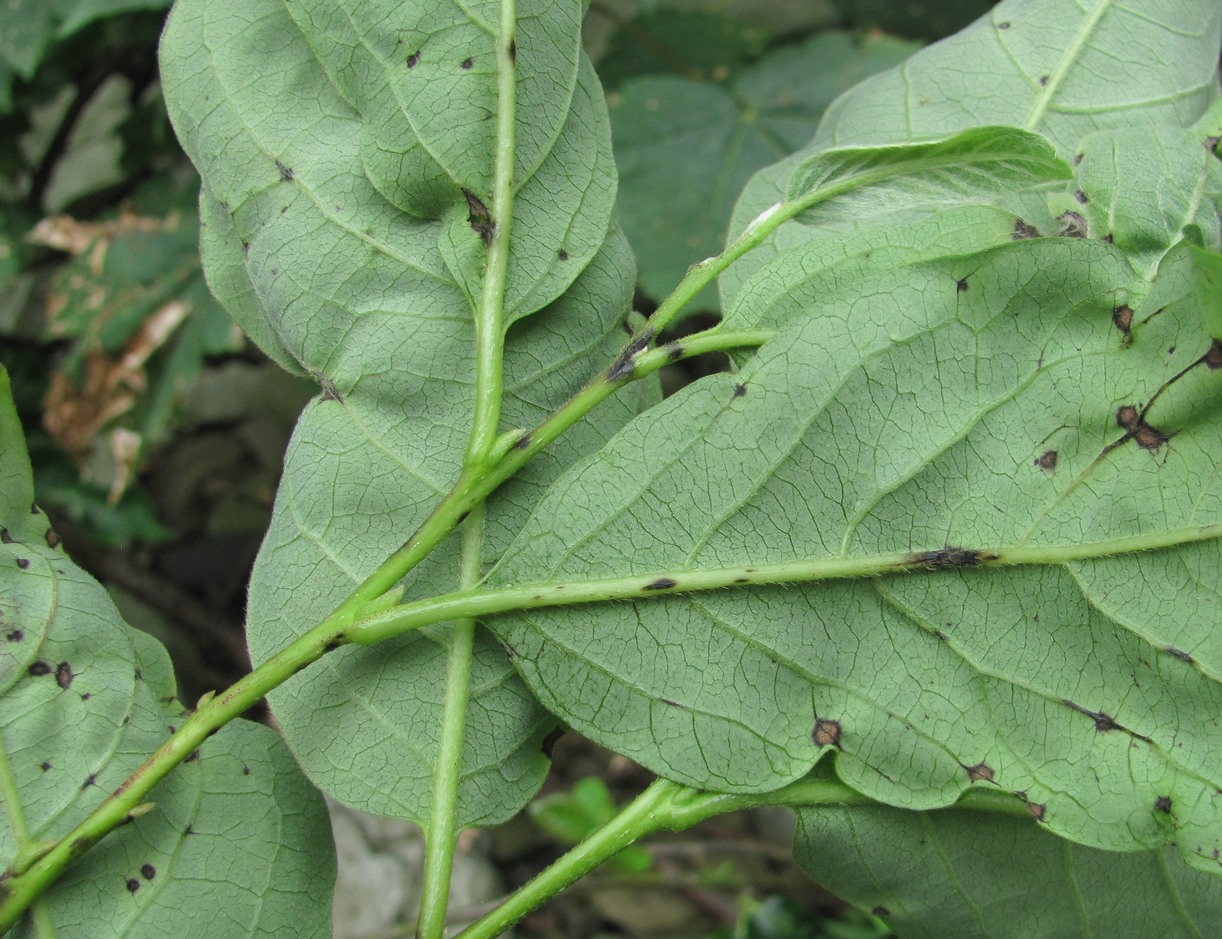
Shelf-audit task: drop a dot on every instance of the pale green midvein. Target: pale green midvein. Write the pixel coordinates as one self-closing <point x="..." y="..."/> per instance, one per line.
<point x="1049" y="90"/>
<point x="489" y="601"/>
<point x="489" y="358"/>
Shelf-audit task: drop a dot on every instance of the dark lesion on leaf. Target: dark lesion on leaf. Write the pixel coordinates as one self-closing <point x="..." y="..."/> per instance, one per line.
<point x="1122" y="319"/>
<point x="740" y="390"/>
<point x="1073" y="225"/>
<point x="329" y="391"/>
<point x="286" y="172"/>
<point x="948" y="558"/>
<point x="148" y="871"/>
<point x="467" y="64"/>
<point x="826" y="733"/>
<point x="5" y="537"/>
<point x="1213" y="357"/>
<point x="674" y="351"/>
<point x="1047" y="460"/>
<point x="132" y="885"/>
<point x="14" y="635"/>
<point x="1022" y="231"/>
<point x="64" y="674"/>
<point x="961" y="285"/>
<point x="981" y="772"/>
<point x="662" y="583"/>
<point x="1181" y="655"/>
<point x="414" y="59"/>
<point x="39" y="668"/>
<point x="23" y="563"/>
<point x="1080" y="197"/>
<point x="625" y="362"/>
<point x="1163" y="804"/>
<point x="479" y="217"/>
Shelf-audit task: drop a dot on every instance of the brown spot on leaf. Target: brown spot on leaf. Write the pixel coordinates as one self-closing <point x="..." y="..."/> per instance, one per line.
<point x="1127" y="416"/>
<point x="1122" y="318"/>
<point x="64" y="674"/>
<point x="245" y="770"/>
<point x="1149" y="438"/>
<point x="1163" y="804"/>
<point x="1037" y="810"/>
<point x="981" y="772"/>
<point x="52" y="538"/>
<point x="1047" y="460"/>
<point x="39" y="668"/>
<point x="513" y="51"/>
<point x="625" y="362"/>
<point x="479" y="218"/>
<point x="1213" y="358"/>
<point x="329" y="391"/>
<point x="662" y="583"/>
<point x="826" y="733"/>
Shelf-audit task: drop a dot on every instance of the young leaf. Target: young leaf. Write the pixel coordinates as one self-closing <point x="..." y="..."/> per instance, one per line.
<point x="83" y="701"/>
<point x="969" y="166"/>
<point x="960" y="873"/>
<point x="311" y="240"/>
<point x="1028" y="63"/>
<point x="934" y="416"/>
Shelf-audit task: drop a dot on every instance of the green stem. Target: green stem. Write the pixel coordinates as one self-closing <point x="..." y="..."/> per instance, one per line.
<point x="441" y="833"/>
<point x="489" y="601"/>
<point x="489" y="358"/>
<point x="664" y="806"/>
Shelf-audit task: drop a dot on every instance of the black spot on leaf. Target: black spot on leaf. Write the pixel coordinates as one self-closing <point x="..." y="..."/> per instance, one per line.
<point x="949" y="558"/>
<point x="467" y="64"/>
<point x="39" y="668"/>
<point x="564" y="255"/>
<point x="625" y="362"/>
<point x="286" y="172"/>
<point x="46" y="765"/>
<point x="64" y="674"/>
<point x="1163" y="804"/>
<point x="524" y="441"/>
<point x="1080" y="197"/>
<point x="673" y="704"/>
<point x="826" y="733"/>
<point x="740" y="390"/>
<point x="742" y="580"/>
<point x="1044" y="81"/>
<point x="662" y="583"/>
<point x="90" y="780"/>
<point x="513" y="51"/>
<point x="331" y="646"/>
<point x="1003" y="25"/>
<point x="245" y="770"/>
<point x="1022" y="230"/>
<point x="1047" y="460"/>
<point x="148" y="871"/>
<point x="14" y="635"/>
<point x="23" y="563"/>
<point x="413" y="60"/>
<point x="1181" y="655"/>
<point x="52" y="538"/>
<point x="139" y="675"/>
<point x="961" y="285"/>
<point x="882" y="910"/>
<point x="132" y="885"/>
<point x="674" y="351"/>
<point x="192" y="756"/>
<point x="5" y="536"/>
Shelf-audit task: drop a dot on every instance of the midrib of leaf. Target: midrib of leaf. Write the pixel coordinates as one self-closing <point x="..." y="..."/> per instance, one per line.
<point x="1044" y="99"/>
<point x="479" y="602"/>
<point x="1173" y="891"/>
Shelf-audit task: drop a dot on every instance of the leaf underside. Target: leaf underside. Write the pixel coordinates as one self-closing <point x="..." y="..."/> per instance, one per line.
<point x="84" y="700"/>
<point x="355" y="257"/>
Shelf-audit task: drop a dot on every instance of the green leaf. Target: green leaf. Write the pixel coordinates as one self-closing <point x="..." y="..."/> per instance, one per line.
<point x="351" y="258"/>
<point x="1207" y="276"/>
<point x="83" y="701"/>
<point x="1145" y="188"/>
<point x="714" y="137"/>
<point x="960" y="873"/>
<point x="1062" y="72"/>
<point x="964" y="401"/>
<point x="854" y="182"/>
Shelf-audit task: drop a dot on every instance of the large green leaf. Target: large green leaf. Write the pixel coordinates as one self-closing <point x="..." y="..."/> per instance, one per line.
<point x="1062" y="71"/>
<point x="962" y="874"/>
<point x="970" y="401"/>
<point x="714" y="137"/>
<point x="346" y="256"/>
<point x="83" y="701"/>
